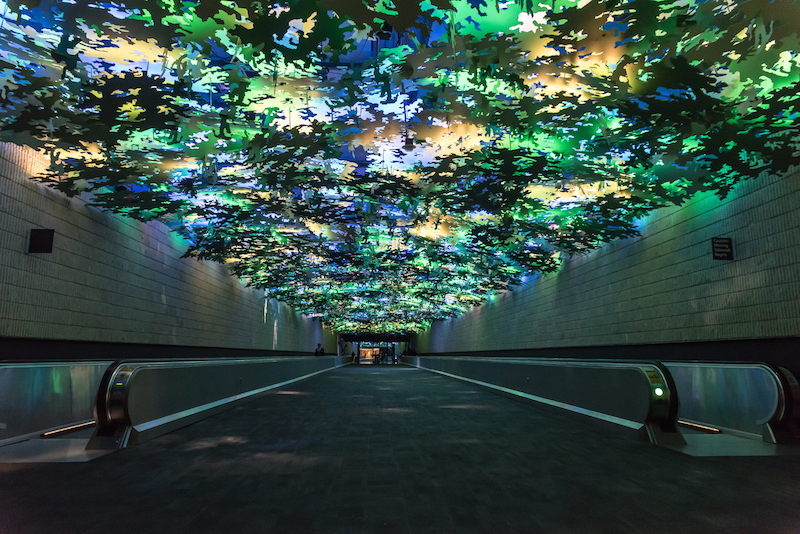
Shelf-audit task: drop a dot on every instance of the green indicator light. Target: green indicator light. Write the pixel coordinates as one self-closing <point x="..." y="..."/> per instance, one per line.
<point x="659" y="392"/>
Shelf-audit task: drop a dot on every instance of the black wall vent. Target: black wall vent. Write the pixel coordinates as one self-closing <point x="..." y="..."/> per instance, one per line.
<point x="41" y="241"/>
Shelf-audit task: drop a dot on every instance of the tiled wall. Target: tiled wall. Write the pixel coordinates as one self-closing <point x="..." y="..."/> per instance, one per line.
<point x="115" y="279"/>
<point x="662" y="287"/>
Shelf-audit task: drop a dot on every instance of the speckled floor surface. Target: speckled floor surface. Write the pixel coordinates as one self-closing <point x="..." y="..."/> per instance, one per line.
<point x="395" y="449"/>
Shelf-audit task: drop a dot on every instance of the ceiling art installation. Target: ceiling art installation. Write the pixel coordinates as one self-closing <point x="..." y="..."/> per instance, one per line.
<point x="382" y="165"/>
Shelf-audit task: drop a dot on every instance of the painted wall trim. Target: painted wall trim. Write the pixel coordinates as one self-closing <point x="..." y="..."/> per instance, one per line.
<point x="31" y="349"/>
<point x="777" y="351"/>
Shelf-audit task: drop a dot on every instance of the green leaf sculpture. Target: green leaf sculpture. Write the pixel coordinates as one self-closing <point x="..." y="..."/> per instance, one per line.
<point x="381" y="165"/>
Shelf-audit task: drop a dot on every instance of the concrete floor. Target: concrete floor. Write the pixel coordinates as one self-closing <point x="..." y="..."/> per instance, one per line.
<point x="395" y="449"/>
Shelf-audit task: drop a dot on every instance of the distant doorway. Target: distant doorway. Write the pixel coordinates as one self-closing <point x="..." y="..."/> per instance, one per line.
<point x="377" y="352"/>
<point x="369" y="356"/>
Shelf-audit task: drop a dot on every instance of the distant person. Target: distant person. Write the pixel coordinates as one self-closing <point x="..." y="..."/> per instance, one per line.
<point x="353" y="357"/>
<point x="320" y="351"/>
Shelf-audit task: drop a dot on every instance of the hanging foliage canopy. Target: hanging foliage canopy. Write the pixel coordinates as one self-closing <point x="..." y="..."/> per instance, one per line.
<point x="382" y="164"/>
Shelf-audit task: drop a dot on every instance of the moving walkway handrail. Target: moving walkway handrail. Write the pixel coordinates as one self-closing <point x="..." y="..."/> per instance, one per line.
<point x="112" y="399"/>
<point x="573" y="386"/>
<point x="185" y="391"/>
<point x="663" y="399"/>
<point x="750" y="399"/>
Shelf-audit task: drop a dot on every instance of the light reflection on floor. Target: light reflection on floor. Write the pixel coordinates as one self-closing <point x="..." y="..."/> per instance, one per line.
<point x="698" y="444"/>
<point x="467" y="407"/>
<point x="210" y="443"/>
<point x="51" y="450"/>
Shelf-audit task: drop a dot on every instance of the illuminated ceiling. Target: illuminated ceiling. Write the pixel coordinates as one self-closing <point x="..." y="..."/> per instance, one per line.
<point x="382" y="165"/>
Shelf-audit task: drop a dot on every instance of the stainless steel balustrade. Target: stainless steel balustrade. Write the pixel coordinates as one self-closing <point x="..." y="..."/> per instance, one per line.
<point x="745" y="399"/>
<point x="37" y="397"/>
<point x="634" y="397"/>
<point x="140" y="400"/>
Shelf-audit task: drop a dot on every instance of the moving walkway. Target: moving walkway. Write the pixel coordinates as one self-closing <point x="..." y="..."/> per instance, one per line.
<point x="694" y="407"/>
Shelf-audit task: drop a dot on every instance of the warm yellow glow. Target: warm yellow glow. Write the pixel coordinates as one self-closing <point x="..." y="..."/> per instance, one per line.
<point x="70" y="428"/>
<point x="701" y="427"/>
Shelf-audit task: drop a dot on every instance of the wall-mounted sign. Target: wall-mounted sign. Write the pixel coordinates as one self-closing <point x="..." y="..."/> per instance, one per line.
<point x="722" y="248"/>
